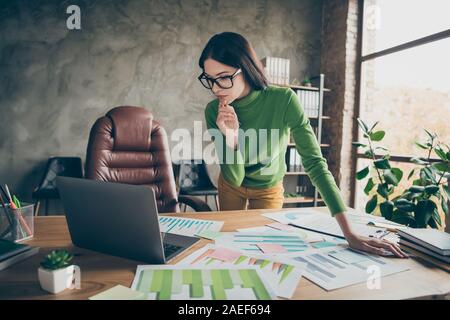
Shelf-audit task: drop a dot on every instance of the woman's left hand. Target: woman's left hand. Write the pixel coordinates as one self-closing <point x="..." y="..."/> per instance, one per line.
<point x="375" y="246"/>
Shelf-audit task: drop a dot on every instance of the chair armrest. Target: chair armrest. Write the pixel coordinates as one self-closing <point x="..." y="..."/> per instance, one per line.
<point x="194" y="202"/>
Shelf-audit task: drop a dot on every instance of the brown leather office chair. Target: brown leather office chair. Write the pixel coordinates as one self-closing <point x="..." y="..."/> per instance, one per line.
<point x="128" y="146"/>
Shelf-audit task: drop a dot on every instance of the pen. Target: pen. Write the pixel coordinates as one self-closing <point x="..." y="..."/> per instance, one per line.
<point x="19" y="215"/>
<point x="17" y="202"/>
<point x="6" y="211"/>
<point x="11" y="202"/>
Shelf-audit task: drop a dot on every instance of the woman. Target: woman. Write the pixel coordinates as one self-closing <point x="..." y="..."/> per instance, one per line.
<point x="232" y="71"/>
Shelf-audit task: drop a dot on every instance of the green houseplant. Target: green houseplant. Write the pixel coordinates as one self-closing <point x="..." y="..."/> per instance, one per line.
<point x="418" y="205"/>
<point x="56" y="272"/>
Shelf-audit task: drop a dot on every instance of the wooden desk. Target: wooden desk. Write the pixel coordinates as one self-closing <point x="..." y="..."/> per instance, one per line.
<point x="100" y="272"/>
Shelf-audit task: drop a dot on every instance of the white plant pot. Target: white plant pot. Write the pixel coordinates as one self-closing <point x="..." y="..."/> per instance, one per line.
<point x="55" y="281"/>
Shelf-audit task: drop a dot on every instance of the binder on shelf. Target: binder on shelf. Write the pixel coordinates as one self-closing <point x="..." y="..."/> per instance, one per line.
<point x="292" y="159"/>
<point x="277" y="70"/>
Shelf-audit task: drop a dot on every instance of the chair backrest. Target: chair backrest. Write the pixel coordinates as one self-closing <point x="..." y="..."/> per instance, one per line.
<point x="193" y="175"/>
<point x="59" y="166"/>
<point x="128" y="146"/>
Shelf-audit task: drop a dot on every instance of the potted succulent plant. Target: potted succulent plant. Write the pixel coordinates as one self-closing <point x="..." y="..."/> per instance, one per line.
<point x="57" y="271"/>
<point x="306" y="82"/>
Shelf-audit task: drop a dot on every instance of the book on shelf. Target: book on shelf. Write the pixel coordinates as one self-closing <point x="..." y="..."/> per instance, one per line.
<point x="309" y="100"/>
<point x="277" y="70"/>
<point x="293" y="160"/>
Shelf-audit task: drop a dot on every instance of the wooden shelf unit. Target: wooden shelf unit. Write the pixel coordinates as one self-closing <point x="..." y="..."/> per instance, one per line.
<point x="299" y="179"/>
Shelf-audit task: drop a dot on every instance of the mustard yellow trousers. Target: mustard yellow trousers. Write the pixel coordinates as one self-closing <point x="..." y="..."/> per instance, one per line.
<point x="242" y="198"/>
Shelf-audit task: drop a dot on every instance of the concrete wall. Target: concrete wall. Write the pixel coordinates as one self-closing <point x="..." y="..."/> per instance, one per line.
<point x="55" y="82"/>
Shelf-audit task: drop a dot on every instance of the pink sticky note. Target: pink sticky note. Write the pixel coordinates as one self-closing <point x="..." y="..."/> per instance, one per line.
<point x="271" y="248"/>
<point x="280" y="226"/>
<point x="224" y="255"/>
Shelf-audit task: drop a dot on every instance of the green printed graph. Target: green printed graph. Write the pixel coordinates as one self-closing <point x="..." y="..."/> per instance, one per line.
<point x="215" y="284"/>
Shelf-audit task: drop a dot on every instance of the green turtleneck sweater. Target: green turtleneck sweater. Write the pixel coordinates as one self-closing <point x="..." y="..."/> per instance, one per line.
<point x="259" y="161"/>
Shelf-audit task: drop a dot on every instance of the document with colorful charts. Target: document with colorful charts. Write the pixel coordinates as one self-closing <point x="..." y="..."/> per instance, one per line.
<point x="166" y="282"/>
<point x="324" y="223"/>
<point x="281" y="276"/>
<point x="273" y="242"/>
<point x="253" y="243"/>
<point x="338" y="267"/>
<point x="187" y="227"/>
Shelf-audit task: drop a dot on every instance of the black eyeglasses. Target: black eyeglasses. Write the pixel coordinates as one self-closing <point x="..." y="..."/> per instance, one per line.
<point x="225" y="82"/>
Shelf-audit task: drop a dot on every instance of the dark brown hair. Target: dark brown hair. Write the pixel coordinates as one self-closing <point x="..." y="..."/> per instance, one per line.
<point x="234" y="50"/>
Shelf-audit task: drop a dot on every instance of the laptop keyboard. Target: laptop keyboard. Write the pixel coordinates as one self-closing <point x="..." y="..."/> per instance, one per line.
<point x="170" y="249"/>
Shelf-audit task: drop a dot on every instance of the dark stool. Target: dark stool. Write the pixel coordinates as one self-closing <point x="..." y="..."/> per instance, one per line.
<point x="56" y="166"/>
<point x="193" y="180"/>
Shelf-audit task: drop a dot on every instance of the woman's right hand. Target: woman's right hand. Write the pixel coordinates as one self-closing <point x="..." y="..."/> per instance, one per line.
<point x="228" y="123"/>
<point x="226" y="118"/>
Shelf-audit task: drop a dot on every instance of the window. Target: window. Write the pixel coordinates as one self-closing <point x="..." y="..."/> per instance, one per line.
<point x="405" y="76"/>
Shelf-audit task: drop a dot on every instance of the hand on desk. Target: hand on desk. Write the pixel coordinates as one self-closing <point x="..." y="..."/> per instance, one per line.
<point x="371" y="245"/>
<point x="375" y="246"/>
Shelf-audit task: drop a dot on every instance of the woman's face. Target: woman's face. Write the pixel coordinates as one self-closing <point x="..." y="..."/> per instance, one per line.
<point x="214" y="69"/>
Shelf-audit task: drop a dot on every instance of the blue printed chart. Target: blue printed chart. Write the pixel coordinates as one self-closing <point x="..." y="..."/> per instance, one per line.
<point x="188" y="227"/>
<point x="340" y="267"/>
<point x="249" y="243"/>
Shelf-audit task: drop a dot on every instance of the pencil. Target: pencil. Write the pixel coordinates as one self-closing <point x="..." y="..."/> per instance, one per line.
<point x="6" y="210"/>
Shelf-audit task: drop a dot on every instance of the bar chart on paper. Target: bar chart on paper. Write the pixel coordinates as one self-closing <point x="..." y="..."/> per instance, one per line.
<point x="281" y="276"/>
<point x="188" y="227"/>
<point x="340" y="267"/>
<point x="178" y="283"/>
<point x="255" y="243"/>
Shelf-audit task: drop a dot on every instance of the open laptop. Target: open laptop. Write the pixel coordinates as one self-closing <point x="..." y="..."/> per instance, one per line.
<point x="118" y="219"/>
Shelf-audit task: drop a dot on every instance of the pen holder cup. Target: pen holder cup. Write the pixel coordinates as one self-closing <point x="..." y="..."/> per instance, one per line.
<point x="17" y="224"/>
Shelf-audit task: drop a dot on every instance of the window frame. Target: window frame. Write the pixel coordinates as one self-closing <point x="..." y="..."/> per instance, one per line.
<point x="360" y="59"/>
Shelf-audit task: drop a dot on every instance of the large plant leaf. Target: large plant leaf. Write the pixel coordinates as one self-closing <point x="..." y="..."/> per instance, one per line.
<point x="383" y="190"/>
<point x="404" y="205"/>
<point x="362" y="173"/>
<point x="431" y="135"/>
<point x="446" y="190"/>
<point x="435" y="219"/>
<point x="411" y="173"/>
<point x="398" y="173"/>
<point x="362" y="125"/>
<point x="387" y="209"/>
<point x="423" y="211"/>
<point x="359" y="144"/>
<point x="431" y="189"/>
<point x="371" y="204"/>
<point x="441" y="154"/>
<point x="390" y="177"/>
<point x="421" y="146"/>
<point x="382" y="164"/>
<point x="405" y="218"/>
<point x="419" y="161"/>
<point x="369" y="186"/>
<point x="444" y="206"/>
<point x="373" y="127"/>
<point x="441" y="166"/>
<point x="416" y="189"/>
<point x="377" y="136"/>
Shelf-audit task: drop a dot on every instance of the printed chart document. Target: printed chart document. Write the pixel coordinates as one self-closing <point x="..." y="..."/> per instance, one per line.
<point x="324" y="223"/>
<point x="187" y="227"/>
<point x="281" y="276"/>
<point x="164" y="282"/>
<point x="248" y="243"/>
<point x="338" y="267"/>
